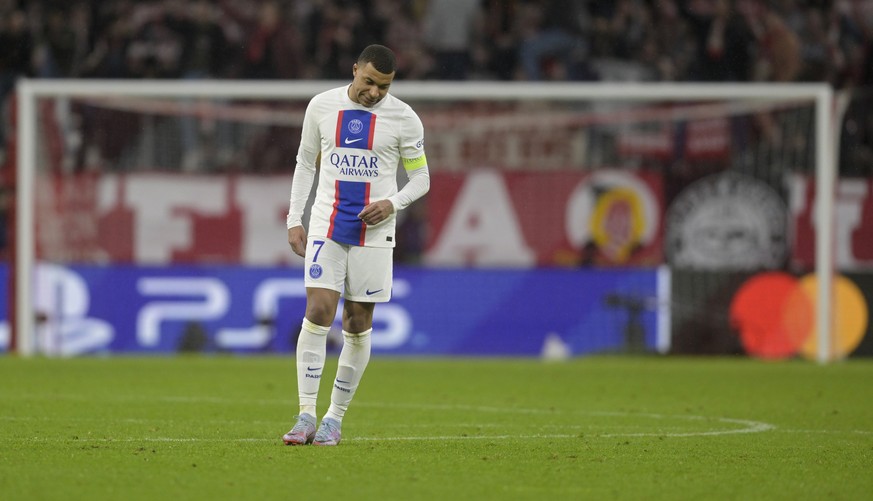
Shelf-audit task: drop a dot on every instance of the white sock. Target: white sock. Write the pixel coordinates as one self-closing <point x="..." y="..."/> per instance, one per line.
<point x="353" y="360"/>
<point x="311" y="349"/>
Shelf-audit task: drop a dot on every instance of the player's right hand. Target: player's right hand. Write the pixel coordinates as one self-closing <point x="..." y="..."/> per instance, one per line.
<point x="297" y="240"/>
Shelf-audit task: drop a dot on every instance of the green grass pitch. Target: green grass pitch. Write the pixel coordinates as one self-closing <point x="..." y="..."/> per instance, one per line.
<point x="600" y="427"/>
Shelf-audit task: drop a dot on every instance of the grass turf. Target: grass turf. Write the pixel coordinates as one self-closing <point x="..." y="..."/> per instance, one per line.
<point x="592" y="428"/>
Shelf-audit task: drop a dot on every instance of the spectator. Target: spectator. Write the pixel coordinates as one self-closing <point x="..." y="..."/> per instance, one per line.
<point x="554" y="44"/>
<point x="448" y="31"/>
<point x="108" y="59"/>
<point x="155" y="49"/>
<point x="668" y="48"/>
<point x="497" y="55"/>
<point x="336" y="26"/>
<point x="18" y="45"/>
<point x="619" y="28"/>
<point x="273" y="47"/>
<point x="15" y="58"/>
<point x="204" y="46"/>
<point x="722" y="41"/>
<point x="60" y="47"/>
<point x="402" y="29"/>
<point x="851" y="32"/>
<point x="779" y="57"/>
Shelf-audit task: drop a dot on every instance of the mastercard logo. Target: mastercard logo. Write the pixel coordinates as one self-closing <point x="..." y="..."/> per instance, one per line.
<point x="774" y="315"/>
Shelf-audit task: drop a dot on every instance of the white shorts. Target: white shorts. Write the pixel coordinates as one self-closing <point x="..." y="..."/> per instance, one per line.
<point x="362" y="274"/>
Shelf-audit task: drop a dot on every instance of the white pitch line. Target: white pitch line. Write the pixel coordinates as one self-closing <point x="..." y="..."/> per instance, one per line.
<point x="749" y="425"/>
<point x="746" y="426"/>
<point x="834" y="432"/>
<point x="138" y="440"/>
<point x="752" y="427"/>
<point x="440" y="438"/>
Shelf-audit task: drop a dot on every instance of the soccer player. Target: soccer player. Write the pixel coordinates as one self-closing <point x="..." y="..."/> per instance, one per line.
<point x="362" y="135"/>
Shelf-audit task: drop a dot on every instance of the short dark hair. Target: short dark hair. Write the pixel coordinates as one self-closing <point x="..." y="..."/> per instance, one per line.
<point x="381" y="57"/>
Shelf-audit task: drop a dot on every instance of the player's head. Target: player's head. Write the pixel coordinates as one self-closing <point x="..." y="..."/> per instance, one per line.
<point x="373" y="74"/>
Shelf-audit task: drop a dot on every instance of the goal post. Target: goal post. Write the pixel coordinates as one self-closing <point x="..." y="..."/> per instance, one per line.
<point x="29" y="92"/>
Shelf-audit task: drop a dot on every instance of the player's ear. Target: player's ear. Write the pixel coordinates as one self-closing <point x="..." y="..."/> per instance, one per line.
<point x="354" y="70"/>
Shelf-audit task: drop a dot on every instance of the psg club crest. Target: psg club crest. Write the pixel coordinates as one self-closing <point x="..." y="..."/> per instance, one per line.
<point x="356" y="126"/>
<point x="315" y="271"/>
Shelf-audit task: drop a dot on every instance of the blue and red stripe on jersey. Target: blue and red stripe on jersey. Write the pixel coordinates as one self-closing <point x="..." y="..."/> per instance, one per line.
<point x="350" y="198"/>
<point x="355" y="129"/>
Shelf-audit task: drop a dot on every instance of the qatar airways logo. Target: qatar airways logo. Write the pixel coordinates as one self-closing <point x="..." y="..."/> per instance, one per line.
<point x="355" y="164"/>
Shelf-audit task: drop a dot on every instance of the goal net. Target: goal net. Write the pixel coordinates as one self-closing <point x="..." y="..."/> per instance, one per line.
<point x="718" y="187"/>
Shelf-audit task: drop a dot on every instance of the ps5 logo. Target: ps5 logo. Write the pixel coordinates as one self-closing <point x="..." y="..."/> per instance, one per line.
<point x="64" y="326"/>
<point x="70" y="305"/>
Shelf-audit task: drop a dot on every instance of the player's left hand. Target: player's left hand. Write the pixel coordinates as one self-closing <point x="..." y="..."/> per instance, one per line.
<point x="376" y="212"/>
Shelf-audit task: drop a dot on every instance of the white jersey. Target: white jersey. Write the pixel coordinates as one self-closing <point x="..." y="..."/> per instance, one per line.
<point x="361" y="149"/>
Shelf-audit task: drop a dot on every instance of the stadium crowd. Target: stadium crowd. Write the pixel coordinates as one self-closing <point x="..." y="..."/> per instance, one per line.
<point x="675" y="40"/>
<point x="575" y="40"/>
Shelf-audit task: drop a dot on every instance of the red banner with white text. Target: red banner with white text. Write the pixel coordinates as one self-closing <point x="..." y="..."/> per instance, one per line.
<point x="481" y="218"/>
<point x="853" y="222"/>
<point x="496" y="218"/>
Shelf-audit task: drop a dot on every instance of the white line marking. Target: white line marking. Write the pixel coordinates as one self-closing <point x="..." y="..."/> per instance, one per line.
<point x="754" y="427"/>
<point x="749" y="425"/>
<point x="736" y="426"/>
<point x="745" y="426"/>
<point x="853" y="432"/>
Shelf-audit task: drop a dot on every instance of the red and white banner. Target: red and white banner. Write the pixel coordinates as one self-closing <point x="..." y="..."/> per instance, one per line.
<point x="480" y="218"/>
<point x="163" y="218"/>
<point x="853" y="222"/>
<point x="497" y="218"/>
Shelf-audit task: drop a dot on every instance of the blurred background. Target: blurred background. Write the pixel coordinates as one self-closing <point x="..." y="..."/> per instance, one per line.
<point x="553" y="228"/>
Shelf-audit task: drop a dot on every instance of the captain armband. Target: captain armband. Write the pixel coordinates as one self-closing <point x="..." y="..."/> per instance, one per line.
<point x="414" y="163"/>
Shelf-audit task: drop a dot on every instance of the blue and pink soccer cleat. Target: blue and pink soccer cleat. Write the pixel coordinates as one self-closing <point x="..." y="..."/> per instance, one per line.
<point x="303" y="432"/>
<point x="328" y="433"/>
